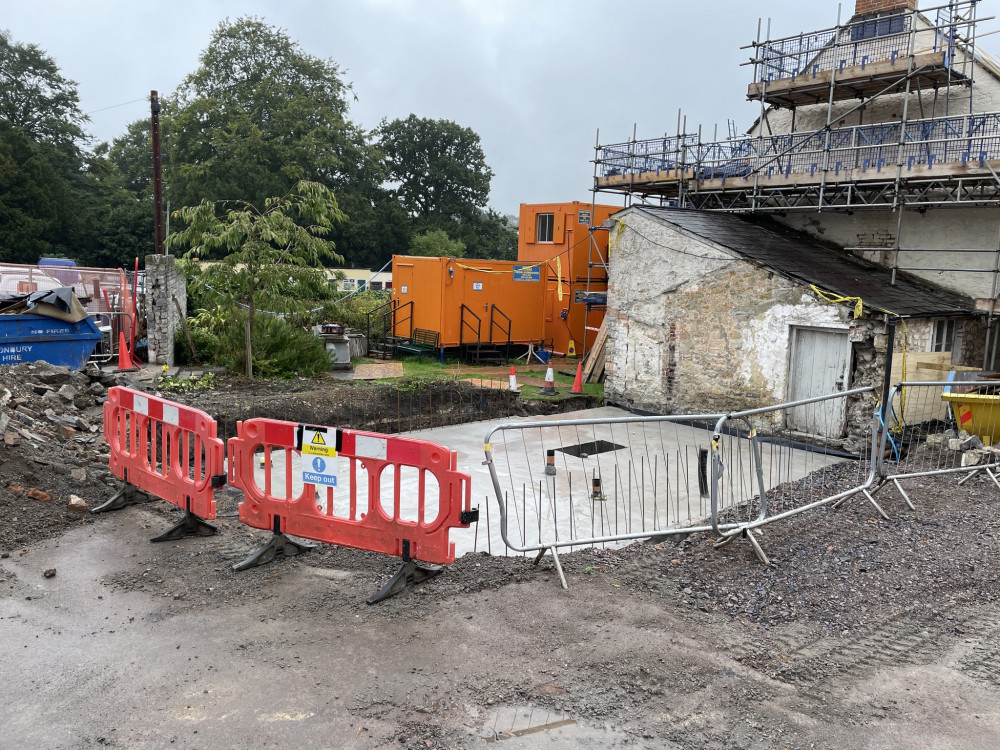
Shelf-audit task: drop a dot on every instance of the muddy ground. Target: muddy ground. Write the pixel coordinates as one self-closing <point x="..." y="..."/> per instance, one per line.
<point x="863" y="633"/>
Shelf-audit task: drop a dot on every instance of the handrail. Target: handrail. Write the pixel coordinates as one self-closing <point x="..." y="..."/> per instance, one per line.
<point x="958" y="139"/>
<point x="463" y="323"/>
<point x="495" y="309"/>
<point x="869" y="39"/>
<point x="368" y="322"/>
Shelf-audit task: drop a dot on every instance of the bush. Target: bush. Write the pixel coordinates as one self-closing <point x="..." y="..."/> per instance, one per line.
<point x="206" y="346"/>
<point x="280" y="350"/>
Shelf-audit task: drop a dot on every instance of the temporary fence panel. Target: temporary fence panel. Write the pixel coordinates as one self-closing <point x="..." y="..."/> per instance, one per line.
<point x="395" y="495"/>
<point x="585" y="482"/>
<point x="765" y="470"/>
<point x="939" y="427"/>
<point x="165" y="449"/>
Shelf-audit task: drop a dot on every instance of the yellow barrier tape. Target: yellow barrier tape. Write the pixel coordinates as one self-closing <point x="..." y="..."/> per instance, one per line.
<point x="831" y="297"/>
<point x="559" y="291"/>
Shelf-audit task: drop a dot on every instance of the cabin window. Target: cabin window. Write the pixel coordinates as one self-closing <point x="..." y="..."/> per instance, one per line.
<point x="545" y="226"/>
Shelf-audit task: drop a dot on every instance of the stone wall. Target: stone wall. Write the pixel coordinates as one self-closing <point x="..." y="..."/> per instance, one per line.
<point x="164" y="285"/>
<point x="693" y="329"/>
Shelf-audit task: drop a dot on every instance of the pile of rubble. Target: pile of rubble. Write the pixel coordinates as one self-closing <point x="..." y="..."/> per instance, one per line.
<point x="971" y="448"/>
<point x="52" y="417"/>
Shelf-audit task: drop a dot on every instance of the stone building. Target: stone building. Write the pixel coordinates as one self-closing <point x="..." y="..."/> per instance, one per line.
<point x="877" y="151"/>
<point x="713" y="312"/>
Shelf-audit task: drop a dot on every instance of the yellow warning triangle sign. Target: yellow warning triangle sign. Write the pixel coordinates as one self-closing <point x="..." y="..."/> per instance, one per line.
<point x="318" y="439"/>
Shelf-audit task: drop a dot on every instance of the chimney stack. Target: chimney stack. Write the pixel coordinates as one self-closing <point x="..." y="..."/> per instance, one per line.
<point x="868" y="7"/>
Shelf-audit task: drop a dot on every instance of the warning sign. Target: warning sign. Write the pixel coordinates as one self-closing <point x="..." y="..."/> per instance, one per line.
<point x="318" y="441"/>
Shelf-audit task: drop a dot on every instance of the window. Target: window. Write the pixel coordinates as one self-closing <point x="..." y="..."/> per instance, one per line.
<point x="376" y="286"/>
<point x="546" y="223"/>
<point x="347" y="285"/>
<point x="944" y="336"/>
<point x="879" y="27"/>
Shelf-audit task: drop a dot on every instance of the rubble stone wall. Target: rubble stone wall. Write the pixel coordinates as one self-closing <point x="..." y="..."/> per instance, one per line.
<point x="164" y="285"/>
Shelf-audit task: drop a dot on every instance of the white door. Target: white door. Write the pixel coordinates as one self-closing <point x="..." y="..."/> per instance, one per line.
<point x="818" y="366"/>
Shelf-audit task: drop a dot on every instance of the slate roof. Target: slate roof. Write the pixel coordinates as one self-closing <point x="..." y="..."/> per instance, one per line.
<point x="797" y="255"/>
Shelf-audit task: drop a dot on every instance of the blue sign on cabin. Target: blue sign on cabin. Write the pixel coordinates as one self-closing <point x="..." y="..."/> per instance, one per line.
<point x="527" y="273"/>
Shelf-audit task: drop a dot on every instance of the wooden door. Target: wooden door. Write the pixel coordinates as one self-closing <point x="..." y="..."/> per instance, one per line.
<point x="818" y="366"/>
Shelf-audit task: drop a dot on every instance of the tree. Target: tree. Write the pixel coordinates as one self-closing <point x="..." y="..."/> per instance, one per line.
<point x="439" y="166"/>
<point x="258" y="115"/>
<point x="266" y="251"/>
<point x="34" y="198"/>
<point x="437" y="244"/>
<point x="36" y="98"/>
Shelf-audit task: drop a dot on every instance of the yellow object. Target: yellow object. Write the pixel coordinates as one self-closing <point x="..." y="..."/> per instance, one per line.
<point x="571" y="348"/>
<point x="559" y="289"/>
<point x="977" y="414"/>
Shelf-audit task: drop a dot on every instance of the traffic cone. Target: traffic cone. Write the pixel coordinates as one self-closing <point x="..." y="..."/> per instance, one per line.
<point x="125" y="363"/>
<point x="549" y="389"/>
<point x="513" y="381"/>
<point x="578" y="381"/>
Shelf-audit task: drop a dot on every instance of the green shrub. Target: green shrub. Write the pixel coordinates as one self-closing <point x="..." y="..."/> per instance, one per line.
<point x="280" y="350"/>
<point x="206" y="346"/>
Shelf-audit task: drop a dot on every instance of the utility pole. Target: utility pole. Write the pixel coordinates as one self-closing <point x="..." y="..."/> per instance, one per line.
<point x="154" y="107"/>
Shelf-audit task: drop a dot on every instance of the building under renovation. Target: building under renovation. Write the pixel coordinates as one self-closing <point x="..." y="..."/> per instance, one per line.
<point x="878" y="144"/>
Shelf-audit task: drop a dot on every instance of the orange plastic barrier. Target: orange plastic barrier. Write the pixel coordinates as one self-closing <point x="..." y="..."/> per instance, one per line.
<point x="364" y="458"/>
<point x="168" y="450"/>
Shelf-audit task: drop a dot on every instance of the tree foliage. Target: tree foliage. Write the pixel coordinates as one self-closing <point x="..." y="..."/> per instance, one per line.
<point x="36" y="98"/>
<point x="439" y="166"/>
<point x="437" y="244"/>
<point x="269" y="252"/>
<point x="259" y="115"/>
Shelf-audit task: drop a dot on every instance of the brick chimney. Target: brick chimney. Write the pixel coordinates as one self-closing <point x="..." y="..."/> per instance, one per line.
<point x="867" y="7"/>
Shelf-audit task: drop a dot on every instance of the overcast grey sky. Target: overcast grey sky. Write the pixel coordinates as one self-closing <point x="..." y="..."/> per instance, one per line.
<point x="535" y="78"/>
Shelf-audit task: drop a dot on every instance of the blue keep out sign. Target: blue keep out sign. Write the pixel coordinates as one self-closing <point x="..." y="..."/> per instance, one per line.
<point x="319" y="470"/>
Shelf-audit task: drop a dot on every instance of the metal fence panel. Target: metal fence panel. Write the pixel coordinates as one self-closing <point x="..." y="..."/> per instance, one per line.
<point x="939" y="427"/>
<point x="767" y="467"/>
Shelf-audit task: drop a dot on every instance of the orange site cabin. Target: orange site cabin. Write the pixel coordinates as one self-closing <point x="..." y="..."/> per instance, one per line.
<point x="467" y="300"/>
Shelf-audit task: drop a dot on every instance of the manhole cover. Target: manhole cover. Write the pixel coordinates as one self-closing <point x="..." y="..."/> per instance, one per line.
<point x="591" y="449"/>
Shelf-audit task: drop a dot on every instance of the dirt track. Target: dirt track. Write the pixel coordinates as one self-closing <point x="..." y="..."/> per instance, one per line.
<point x="864" y="634"/>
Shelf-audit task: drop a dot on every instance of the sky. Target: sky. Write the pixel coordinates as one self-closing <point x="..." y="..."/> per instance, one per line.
<point x="536" y="79"/>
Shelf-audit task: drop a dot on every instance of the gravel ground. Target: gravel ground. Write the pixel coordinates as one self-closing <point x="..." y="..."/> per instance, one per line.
<point x="862" y="633"/>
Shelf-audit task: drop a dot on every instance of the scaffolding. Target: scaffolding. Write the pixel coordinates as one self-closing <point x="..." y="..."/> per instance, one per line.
<point x="904" y="158"/>
<point x="837" y="73"/>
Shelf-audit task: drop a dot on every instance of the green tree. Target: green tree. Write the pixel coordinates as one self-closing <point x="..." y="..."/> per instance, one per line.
<point x="439" y="167"/>
<point x="267" y="253"/>
<point x="35" y="200"/>
<point x="36" y="98"/>
<point x="257" y="116"/>
<point x="437" y="244"/>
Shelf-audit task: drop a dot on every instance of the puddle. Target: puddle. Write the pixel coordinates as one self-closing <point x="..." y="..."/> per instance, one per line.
<point x="512" y="727"/>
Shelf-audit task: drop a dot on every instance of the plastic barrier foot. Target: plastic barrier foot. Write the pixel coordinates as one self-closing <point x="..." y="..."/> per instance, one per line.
<point x="411" y="572"/>
<point x="190" y="525"/>
<point x="128" y="495"/>
<point x="279" y="546"/>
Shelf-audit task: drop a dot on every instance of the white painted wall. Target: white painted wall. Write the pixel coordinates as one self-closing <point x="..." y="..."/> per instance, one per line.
<point x="943" y="229"/>
<point x="765" y="339"/>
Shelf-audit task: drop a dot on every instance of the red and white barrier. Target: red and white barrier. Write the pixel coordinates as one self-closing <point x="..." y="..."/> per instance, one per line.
<point x="165" y="449"/>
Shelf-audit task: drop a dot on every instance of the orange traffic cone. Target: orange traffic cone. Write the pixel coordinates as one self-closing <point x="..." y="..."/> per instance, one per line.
<point x="578" y="381"/>
<point x="125" y="363"/>
<point x="549" y="389"/>
<point x="513" y="381"/>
